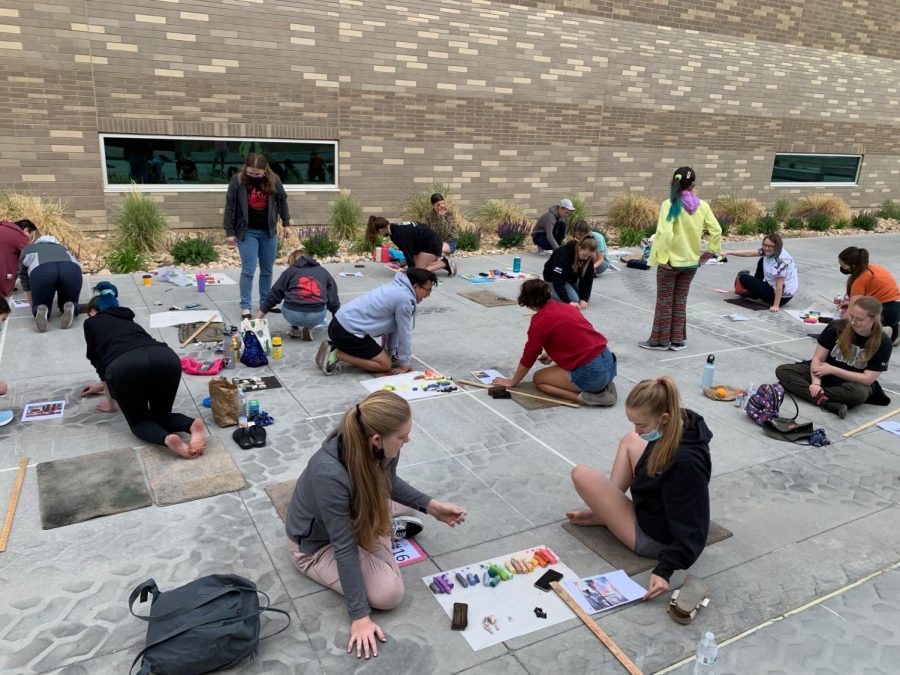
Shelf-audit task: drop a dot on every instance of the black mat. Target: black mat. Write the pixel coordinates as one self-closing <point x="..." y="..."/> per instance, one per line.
<point x="747" y="304"/>
<point x="81" y="488"/>
<point x="604" y="543"/>
<point x="270" y="381"/>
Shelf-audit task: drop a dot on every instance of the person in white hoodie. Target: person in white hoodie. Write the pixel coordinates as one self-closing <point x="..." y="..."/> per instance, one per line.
<point x="388" y="311"/>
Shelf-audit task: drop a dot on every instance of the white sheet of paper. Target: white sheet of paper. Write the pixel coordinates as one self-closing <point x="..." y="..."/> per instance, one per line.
<point x="351" y="274"/>
<point x="43" y="410"/>
<point x="486" y="376"/>
<point x="221" y="279"/>
<point x="890" y="425"/>
<point x="735" y="317"/>
<point x="163" y="319"/>
<point x="604" y="591"/>
<point x="515" y="598"/>
<point x="405" y="385"/>
<point x="20" y="303"/>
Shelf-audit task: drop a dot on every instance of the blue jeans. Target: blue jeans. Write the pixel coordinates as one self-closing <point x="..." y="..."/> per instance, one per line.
<point x="603" y="267"/>
<point x="570" y="291"/>
<point x="257" y="245"/>
<point x="302" y="319"/>
<point x="595" y="375"/>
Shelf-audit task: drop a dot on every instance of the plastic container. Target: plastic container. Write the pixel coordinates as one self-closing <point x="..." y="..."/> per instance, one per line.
<point x="517" y="264"/>
<point x="148" y="279"/>
<point x="707" y="655"/>
<point x="201" y="283"/>
<point x="276" y="348"/>
<point x="385" y="253"/>
<point x="252" y="408"/>
<point x="709" y="372"/>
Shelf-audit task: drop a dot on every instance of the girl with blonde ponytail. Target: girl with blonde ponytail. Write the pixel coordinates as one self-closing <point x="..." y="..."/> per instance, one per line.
<point x="665" y="462"/>
<point x="347" y="505"/>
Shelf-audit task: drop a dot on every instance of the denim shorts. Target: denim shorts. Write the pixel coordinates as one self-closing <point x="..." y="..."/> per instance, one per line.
<point x="596" y="374"/>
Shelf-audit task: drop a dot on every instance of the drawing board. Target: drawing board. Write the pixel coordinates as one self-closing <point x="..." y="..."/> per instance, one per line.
<point x="405" y="385"/>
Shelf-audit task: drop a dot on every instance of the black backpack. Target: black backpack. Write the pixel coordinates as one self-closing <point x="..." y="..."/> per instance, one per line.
<point x="208" y="624"/>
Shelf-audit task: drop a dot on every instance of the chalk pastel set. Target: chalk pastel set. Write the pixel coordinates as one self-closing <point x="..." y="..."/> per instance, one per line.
<point x="493" y="573"/>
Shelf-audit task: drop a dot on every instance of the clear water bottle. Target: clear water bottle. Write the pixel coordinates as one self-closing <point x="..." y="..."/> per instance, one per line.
<point x="709" y="371"/>
<point x="707" y="653"/>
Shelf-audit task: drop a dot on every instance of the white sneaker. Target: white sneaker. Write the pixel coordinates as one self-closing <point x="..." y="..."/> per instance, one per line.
<point x="406" y="527"/>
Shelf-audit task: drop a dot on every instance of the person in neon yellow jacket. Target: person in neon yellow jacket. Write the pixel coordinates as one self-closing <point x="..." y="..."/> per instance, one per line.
<point x="676" y="253"/>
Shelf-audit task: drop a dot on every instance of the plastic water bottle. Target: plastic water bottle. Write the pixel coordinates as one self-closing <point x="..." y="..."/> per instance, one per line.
<point x="707" y="653"/>
<point x="750" y="391"/>
<point x="709" y="371"/>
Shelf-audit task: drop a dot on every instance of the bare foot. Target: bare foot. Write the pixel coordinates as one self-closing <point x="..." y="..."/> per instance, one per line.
<point x="198" y="437"/>
<point x="107" y="407"/>
<point x="586" y="517"/>
<point x="179" y="447"/>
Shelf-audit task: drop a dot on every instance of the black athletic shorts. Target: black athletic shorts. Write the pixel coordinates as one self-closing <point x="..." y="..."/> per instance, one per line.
<point x="361" y="347"/>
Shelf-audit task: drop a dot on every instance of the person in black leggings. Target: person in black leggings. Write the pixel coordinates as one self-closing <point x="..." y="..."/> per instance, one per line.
<point x="138" y="374"/>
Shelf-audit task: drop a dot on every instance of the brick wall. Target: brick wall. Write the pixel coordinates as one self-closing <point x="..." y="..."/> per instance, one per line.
<point x="524" y="100"/>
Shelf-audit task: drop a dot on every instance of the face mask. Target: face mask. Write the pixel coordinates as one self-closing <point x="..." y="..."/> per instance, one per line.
<point x="654" y="435"/>
<point x="256" y="180"/>
<point x="844" y="270"/>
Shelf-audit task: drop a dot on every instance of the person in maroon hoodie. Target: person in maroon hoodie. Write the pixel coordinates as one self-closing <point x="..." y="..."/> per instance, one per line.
<point x="585" y="367"/>
<point x="13" y="238"/>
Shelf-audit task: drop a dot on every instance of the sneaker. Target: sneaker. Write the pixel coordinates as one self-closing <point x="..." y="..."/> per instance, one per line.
<point x="294" y="332"/>
<point x="40" y="319"/>
<point x="307" y="334"/>
<point x="245" y="314"/>
<point x="646" y="344"/>
<point x="453" y="269"/>
<point x="677" y="346"/>
<point x="68" y="315"/>
<point x="322" y="356"/>
<point x="839" y="409"/>
<point x="604" y="399"/>
<point x="406" y="527"/>
<point x="275" y="310"/>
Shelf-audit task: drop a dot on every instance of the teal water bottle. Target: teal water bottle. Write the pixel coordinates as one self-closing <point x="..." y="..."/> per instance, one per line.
<point x="709" y="371"/>
<point x="517" y="265"/>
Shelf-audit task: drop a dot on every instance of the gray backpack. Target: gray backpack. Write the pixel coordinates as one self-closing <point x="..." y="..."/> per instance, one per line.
<point x="208" y="624"/>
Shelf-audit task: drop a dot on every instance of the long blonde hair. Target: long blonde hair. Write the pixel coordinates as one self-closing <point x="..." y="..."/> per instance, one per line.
<point x="382" y="413"/>
<point x="846" y="334"/>
<point x="656" y="397"/>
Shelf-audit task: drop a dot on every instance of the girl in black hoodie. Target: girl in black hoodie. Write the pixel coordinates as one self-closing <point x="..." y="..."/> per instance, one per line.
<point x="570" y="271"/>
<point x="665" y="462"/>
<point x="139" y="374"/>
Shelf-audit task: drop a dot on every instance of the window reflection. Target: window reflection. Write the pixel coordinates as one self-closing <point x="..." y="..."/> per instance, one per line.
<point x="805" y="168"/>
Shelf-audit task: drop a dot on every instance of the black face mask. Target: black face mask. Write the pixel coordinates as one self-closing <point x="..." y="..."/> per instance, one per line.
<point x="844" y="270"/>
<point x="256" y="180"/>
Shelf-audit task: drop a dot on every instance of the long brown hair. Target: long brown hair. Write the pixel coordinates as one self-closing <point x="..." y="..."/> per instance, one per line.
<point x="258" y="161"/>
<point x="655" y="397"/>
<point x="374" y="224"/>
<point x="857" y="259"/>
<point x="581" y="267"/>
<point x="846" y="334"/>
<point x="383" y="413"/>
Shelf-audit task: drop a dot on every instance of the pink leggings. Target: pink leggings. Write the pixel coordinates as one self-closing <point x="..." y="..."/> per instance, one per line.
<point x="381" y="575"/>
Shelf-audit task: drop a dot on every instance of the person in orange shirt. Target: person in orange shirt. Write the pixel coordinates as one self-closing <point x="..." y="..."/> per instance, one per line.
<point x="866" y="278"/>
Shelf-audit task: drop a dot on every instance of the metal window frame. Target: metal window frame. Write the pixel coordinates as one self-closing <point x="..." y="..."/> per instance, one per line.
<point x="795" y="184"/>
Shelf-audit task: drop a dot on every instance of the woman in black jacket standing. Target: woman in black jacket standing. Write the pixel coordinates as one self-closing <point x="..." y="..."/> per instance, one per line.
<point x="139" y="374"/>
<point x="255" y="200"/>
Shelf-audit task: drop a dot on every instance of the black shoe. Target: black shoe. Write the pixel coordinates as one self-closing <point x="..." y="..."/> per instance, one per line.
<point x="242" y="437"/>
<point x="258" y="436"/>
<point x="275" y="310"/>
<point x="839" y="409"/>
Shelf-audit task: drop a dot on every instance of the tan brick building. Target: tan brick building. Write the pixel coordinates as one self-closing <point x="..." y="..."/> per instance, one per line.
<point x="527" y="100"/>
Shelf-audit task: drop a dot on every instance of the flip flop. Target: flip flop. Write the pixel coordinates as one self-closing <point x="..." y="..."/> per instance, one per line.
<point x="258" y="436"/>
<point x="6" y="416"/>
<point x="688" y="600"/>
<point x="241" y="436"/>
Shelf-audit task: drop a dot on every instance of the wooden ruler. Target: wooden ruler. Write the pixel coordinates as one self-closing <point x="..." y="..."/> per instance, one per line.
<point x="871" y="423"/>
<point x="595" y="629"/>
<point x="527" y="394"/>
<point x="13" y="503"/>
<point x="214" y="317"/>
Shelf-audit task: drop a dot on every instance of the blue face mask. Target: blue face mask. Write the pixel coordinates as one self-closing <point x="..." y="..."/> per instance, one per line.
<point x="654" y="435"/>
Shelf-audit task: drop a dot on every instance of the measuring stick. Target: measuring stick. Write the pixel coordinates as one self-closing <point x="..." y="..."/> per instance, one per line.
<point x="527" y="394"/>
<point x="199" y="330"/>
<point x="13" y="503"/>
<point x="595" y="629"/>
<point x="865" y="426"/>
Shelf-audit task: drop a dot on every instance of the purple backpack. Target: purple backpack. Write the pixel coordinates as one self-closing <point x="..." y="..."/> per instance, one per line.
<point x="763" y="405"/>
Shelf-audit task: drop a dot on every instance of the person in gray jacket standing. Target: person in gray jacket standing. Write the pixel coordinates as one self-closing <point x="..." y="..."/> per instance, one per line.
<point x="253" y="204"/>
<point x="348" y="504"/>
<point x="388" y="311"/>
<point x="550" y="229"/>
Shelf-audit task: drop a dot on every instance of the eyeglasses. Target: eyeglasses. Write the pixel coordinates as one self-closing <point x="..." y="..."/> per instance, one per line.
<point x="427" y="289"/>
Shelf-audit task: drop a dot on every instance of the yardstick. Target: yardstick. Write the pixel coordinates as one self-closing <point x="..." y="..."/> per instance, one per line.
<point x="13" y="503"/>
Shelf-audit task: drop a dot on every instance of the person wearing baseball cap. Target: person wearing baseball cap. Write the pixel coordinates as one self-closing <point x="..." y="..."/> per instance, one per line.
<point x="550" y="229"/>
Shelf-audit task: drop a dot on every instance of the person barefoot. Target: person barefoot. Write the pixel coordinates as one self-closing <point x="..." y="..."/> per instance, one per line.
<point x="586" y="517"/>
<point x="198" y="437"/>
<point x="174" y="443"/>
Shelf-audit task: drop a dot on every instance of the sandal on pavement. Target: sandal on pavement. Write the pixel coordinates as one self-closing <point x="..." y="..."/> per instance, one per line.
<point x="687" y="600"/>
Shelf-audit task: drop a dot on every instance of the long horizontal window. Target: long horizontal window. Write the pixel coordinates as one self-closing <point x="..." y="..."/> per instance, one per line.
<point x="168" y="163"/>
<point x="820" y="169"/>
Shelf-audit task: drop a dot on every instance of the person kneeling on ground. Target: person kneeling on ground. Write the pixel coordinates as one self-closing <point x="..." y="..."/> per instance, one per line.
<point x="549" y="231"/>
<point x="387" y="311"/>
<point x="570" y="271"/>
<point x="4" y="315"/>
<point x="666" y="464"/>
<point x="139" y="374"/>
<point x="420" y="245"/>
<point x="47" y="269"/>
<point x="776" y="280"/>
<point x="585" y="367"/>
<point x="347" y="505"/>
<point x="307" y="289"/>
<point x="850" y="357"/>
<point x="583" y="229"/>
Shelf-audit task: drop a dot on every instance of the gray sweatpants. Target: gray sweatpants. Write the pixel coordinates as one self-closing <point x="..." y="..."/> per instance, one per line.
<point x="796" y="378"/>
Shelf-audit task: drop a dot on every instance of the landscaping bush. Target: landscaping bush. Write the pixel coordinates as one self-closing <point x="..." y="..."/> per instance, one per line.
<point x="737" y="210"/>
<point x="582" y="211"/>
<point x="782" y="209"/>
<point x="841" y="224"/>
<point x="417" y="206"/>
<point x="865" y="220"/>
<point x="317" y="242"/>
<point x="768" y="224"/>
<point x="47" y="214"/>
<point x="360" y="246"/>
<point x="512" y="234"/>
<point x="193" y="251"/>
<point x="494" y="212"/>
<point x="141" y="223"/>
<point x="888" y="209"/>
<point x="346" y="217"/>
<point x="124" y="259"/>
<point x="747" y="229"/>
<point x="635" y="211"/>
<point x="794" y="223"/>
<point x="831" y="206"/>
<point x="819" y="221"/>
<point x="725" y="222"/>
<point x="469" y="239"/>
<point x="630" y="236"/>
